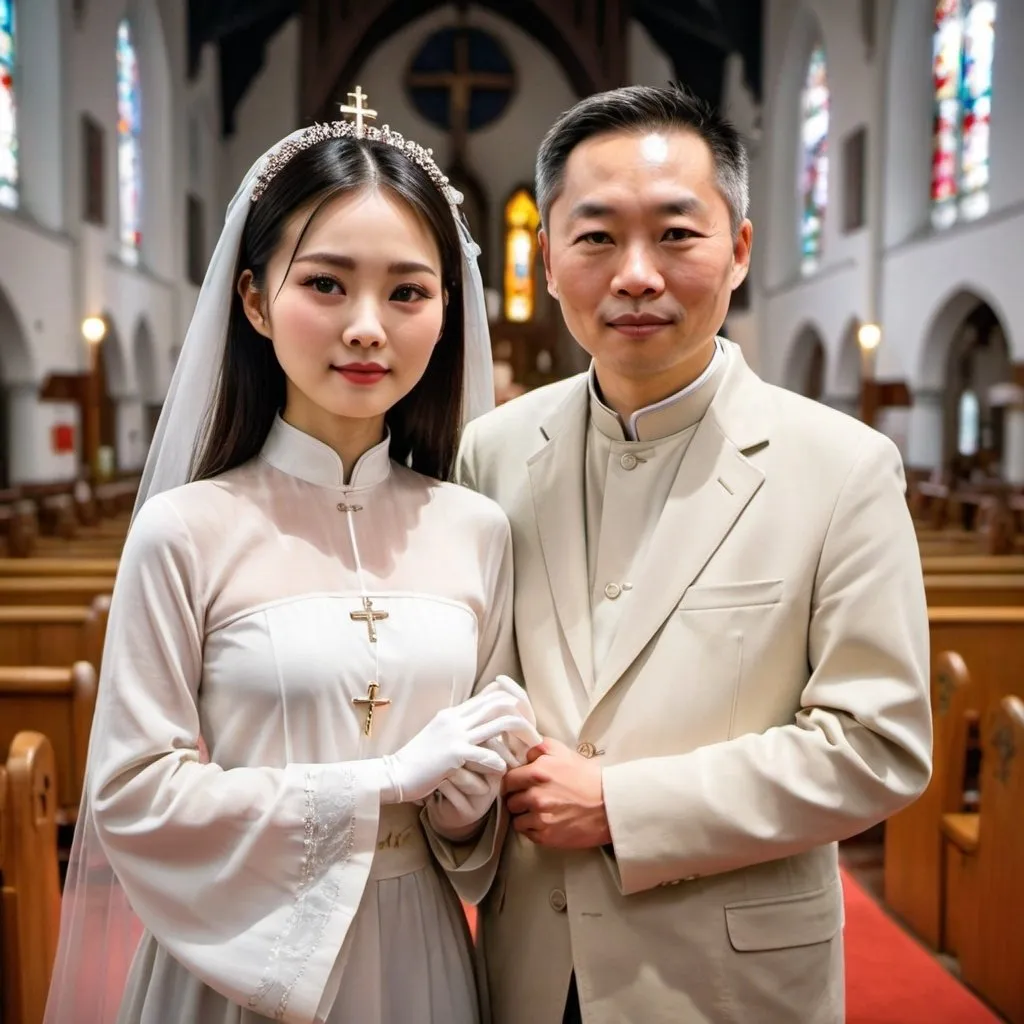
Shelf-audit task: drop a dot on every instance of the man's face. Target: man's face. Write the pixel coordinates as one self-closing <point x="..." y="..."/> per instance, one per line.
<point x="639" y="253"/>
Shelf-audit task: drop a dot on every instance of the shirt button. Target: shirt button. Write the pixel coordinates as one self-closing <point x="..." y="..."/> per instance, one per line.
<point x="558" y="901"/>
<point x="628" y="461"/>
<point x="587" y="749"/>
<point x="612" y="591"/>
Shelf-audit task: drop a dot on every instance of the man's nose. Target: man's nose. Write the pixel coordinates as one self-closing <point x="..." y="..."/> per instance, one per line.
<point x="638" y="274"/>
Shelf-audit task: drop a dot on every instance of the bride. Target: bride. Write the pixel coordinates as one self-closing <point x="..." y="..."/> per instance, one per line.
<point x="303" y="595"/>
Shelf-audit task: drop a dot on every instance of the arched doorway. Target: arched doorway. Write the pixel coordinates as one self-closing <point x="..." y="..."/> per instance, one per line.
<point x="977" y="362"/>
<point x="144" y="352"/>
<point x="805" y="370"/>
<point x="110" y="385"/>
<point x="15" y="366"/>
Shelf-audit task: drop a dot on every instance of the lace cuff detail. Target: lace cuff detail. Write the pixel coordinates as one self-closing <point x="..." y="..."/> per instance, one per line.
<point x="329" y="824"/>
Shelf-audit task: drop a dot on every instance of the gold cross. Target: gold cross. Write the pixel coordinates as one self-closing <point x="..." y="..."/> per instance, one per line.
<point x="358" y="109"/>
<point x="370" y="617"/>
<point x="370" y="701"/>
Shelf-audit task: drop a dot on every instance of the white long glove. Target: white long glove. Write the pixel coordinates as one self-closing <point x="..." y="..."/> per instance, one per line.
<point x="453" y="739"/>
<point x="466" y="796"/>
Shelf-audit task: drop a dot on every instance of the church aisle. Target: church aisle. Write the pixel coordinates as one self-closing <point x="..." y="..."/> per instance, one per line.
<point x="892" y="979"/>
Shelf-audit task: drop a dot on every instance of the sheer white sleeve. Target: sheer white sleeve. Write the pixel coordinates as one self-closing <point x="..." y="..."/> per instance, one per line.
<point x="249" y="877"/>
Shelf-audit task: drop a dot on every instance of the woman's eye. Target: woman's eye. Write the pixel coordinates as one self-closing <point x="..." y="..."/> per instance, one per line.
<point x="324" y="285"/>
<point x="408" y="293"/>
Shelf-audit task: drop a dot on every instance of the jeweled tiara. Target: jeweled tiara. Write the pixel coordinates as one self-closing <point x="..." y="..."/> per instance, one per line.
<point x="355" y="130"/>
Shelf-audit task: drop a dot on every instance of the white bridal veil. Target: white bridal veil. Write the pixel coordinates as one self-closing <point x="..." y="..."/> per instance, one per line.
<point x="99" y="931"/>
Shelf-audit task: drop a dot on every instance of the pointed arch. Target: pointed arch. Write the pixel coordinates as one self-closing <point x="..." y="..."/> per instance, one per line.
<point x="805" y="366"/>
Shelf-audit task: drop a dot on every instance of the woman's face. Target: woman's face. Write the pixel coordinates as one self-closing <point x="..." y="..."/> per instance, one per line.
<point x="356" y="315"/>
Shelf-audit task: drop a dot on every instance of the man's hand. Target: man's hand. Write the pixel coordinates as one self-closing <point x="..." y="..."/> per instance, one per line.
<point x="557" y="799"/>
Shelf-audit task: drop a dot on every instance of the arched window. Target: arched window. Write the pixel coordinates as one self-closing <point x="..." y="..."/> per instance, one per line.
<point x="814" y="162"/>
<point x="129" y="151"/>
<point x="521" y="221"/>
<point x="968" y="424"/>
<point x="8" y="109"/>
<point x="963" y="48"/>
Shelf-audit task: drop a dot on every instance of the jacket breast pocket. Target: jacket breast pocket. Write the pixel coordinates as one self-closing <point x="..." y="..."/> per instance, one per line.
<point x="749" y="594"/>
<point x="800" y="919"/>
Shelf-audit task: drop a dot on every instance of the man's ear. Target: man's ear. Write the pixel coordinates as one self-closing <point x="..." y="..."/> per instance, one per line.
<point x="545" y="250"/>
<point x="252" y="303"/>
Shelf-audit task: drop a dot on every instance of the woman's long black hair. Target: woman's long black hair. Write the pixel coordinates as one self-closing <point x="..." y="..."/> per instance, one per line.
<point x="425" y="424"/>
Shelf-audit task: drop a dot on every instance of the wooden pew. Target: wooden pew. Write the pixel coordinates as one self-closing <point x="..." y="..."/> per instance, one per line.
<point x="950" y="565"/>
<point x="992" y="957"/>
<point x="30" y="907"/>
<point x="59" y="703"/>
<point x="991" y="643"/>
<point x="57" y="635"/>
<point x="967" y="590"/>
<point x="69" y="566"/>
<point x="53" y="590"/>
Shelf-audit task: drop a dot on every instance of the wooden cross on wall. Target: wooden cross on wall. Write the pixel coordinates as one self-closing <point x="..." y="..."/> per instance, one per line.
<point x="460" y="84"/>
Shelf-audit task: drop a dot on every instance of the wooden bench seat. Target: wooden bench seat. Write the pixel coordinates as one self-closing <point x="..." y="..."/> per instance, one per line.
<point x="991" y="941"/>
<point x="49" y="566"/>
<point x="972" y="590"/>
<point x="29" y="876"/>
<point x="974" y="565"/>
<point x="53" y="635"/>
<point x="53" y="590"/>
<point x="58" y="702"/>
<point x="991" y="642"/>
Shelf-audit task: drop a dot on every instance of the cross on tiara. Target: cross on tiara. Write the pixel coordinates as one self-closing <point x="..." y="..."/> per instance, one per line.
<point x="358" y="109"/>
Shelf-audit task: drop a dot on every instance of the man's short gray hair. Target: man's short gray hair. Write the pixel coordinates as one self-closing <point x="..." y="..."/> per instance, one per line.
<point x="641" y="108"/>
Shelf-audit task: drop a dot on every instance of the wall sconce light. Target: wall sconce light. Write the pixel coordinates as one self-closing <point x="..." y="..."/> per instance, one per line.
<point x="94" y="329"/>
<point x="868" y="337"/>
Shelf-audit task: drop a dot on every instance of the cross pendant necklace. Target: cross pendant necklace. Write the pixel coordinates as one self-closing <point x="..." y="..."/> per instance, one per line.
<point x="371" y="701"/>
<point x="370" y="616"/>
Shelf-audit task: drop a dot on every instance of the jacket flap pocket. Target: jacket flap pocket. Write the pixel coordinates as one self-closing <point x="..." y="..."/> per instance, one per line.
<point x="732" y="595"/>
<point x="779" y="923"/>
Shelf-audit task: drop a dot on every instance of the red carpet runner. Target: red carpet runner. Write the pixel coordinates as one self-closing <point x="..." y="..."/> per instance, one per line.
<point x="892" y="979"/>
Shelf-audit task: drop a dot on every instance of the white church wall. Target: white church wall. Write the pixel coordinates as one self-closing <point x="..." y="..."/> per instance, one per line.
<point x="42" y="42"/>
<point x="923" y="268"/>
<point x="839" y="290"/>
<point x="268" y="111"/>
<point x="37" y="274"/>
<point x="981" y="260"/>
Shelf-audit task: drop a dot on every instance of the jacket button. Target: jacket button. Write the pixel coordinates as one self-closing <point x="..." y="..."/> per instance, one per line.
<point x="557" y="900"/>
<point x="586" y="748"/>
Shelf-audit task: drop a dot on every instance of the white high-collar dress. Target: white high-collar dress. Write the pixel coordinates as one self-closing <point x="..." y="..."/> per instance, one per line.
<point x="269" y="881"/>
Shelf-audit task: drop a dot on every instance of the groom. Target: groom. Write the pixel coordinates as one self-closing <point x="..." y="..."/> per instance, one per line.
<point x="719" y="609"/>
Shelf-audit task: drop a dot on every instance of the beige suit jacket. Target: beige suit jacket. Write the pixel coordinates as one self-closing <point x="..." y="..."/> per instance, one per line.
<point x="765" y="695"/>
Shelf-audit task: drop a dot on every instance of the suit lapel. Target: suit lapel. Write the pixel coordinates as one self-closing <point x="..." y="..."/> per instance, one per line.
<point x="714" y="485"/>
<point x="557" y="481"/>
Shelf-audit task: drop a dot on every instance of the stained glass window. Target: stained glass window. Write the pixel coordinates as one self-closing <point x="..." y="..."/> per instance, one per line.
<point x="964" y="44"/>
<point x="814" y="162"/>
<point x="129" y="151"/>
<point x="521" y="221"/>
<point x="8" y="109"/>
